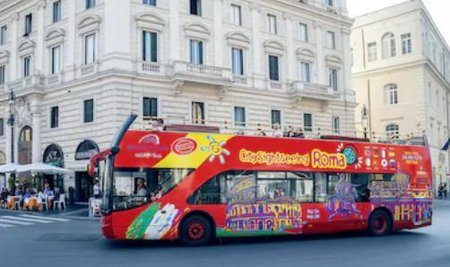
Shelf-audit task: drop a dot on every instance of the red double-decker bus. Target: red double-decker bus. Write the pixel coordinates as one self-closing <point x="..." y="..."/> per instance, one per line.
<point x="199" y="186"/>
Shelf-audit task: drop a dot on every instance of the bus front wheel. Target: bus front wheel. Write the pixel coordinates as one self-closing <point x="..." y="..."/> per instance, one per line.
<point x="380" y="223"/>
<point x="196" y="231"/>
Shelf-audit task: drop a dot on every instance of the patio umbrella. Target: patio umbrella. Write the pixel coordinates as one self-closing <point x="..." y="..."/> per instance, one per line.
<point x="8" y="168"/>
<point x="43" y="169"/>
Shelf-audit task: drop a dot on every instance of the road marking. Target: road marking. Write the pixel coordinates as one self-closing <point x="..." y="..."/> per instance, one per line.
<point x="26" y="219"/>
<point x="15" y="222"/>
<point x="5" y="225"/>
<point x="45" y="218"/>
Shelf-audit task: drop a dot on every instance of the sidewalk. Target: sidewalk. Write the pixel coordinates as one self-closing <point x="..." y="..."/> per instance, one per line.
<point x="441" y="202"/>
<point x="77" y="212"/>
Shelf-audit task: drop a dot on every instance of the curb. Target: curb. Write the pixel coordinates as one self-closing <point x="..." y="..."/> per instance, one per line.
<point x="83" y="218"/>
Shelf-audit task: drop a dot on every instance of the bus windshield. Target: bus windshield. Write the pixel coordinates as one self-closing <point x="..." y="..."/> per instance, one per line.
<point x="133" y="187"/>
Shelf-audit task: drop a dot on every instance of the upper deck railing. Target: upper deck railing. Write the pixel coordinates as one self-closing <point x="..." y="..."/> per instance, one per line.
<point x="179" y="123"/>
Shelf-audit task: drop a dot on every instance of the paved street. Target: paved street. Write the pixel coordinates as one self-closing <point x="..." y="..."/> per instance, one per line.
<point x="71" y="242"/>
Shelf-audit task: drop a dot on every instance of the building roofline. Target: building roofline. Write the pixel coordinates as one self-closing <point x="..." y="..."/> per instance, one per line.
<point x="385" y="8"/>
<point x="421" y="8"/>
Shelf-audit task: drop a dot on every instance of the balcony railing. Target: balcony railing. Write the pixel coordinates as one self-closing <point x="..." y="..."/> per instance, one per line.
<point x="26" y="83"/>
<point x="54" y="78"/>
<point x="201" y="73"/>
<point x="88" y="69"/>
<point x="312" y="91"/>
<point x="276" y="85"/>
<point x="150" y="66"/>
<point x="240" y="79"/>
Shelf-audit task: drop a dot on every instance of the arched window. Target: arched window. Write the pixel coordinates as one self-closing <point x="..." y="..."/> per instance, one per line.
<point x="391" y="94"/>
<point x="53" y="155"/>
<point x="389" y="49"/>
<point x="392" y="131"/>
<point x="86" y="150"/>
<point x="25" y="145"/>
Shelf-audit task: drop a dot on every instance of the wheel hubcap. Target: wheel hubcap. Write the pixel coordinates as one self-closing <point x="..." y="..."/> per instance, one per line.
<point x="380" y="224"/>
<point x="196" y="231"/>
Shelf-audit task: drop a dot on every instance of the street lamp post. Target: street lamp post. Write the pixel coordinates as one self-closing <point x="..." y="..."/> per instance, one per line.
<point x="12" y="120"/>
<point x="364" y="120"/>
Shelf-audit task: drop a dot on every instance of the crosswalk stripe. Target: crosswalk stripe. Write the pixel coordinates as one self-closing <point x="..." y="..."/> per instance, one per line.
<point x="26" y="219"/>
<point x="45" y="218"/>
<point x="5" y="225"/>
<point x="15" y="222"/>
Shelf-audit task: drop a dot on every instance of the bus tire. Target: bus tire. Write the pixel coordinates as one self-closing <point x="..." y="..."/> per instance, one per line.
<point x="380" y="223"/>
<point x="196" y="231"/>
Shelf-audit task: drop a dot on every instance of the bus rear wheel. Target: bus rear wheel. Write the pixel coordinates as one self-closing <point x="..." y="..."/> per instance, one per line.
<point x="196" y="231"/>
<point x="380" y="223"/>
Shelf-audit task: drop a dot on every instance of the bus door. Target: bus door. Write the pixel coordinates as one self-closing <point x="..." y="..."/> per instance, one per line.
<point x="361" y="184"/>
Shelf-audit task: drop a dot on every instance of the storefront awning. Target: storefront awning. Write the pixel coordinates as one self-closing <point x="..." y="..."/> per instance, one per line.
<point x="42" y="168"/>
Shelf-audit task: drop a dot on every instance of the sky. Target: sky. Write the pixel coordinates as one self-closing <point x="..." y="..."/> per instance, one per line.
<point x="439" y="10"/>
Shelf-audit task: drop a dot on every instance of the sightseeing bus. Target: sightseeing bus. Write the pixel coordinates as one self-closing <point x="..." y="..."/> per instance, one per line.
<point x="195" y="187"/>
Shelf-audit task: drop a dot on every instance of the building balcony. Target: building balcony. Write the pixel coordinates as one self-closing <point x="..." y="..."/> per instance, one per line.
<point x="204" y="74"/>
<point x="301" y="90"/>
<point x="240" y="79"/>
<point x="54" y="78"/>
<point x="89" y="69"/>
<point x="150" y="67"/>
<point x="30" y="84"/>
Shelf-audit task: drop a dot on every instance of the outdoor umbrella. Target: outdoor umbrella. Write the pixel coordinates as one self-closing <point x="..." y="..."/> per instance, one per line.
<point x="42" y="168"/>
<point x="9" y="168"/>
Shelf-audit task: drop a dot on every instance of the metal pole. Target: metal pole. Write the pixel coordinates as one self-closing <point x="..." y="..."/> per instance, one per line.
<point x="12" y="143"/>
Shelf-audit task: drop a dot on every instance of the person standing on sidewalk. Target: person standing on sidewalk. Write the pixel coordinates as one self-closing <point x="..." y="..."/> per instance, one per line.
<point x="444" y="190"/>
<point x="96" y="189"/>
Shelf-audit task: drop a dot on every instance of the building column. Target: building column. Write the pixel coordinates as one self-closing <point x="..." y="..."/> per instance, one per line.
<point x="291" y="58"/>
<point x="38" y="65"/>
<point x="69" y="48"/>
<point x="257" y="63"/>
<point x="174" y="31"/>
<point x="347" y="66"/>
<point x="218" y="36"/>
<point x="321" y="68"/>
<point x="117" y="33"/>
<point x="36" y="126"/>
<point x="13" y="60"/>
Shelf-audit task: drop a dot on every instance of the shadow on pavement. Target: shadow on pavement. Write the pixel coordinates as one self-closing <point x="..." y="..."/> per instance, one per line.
<point x="125" y="244"/>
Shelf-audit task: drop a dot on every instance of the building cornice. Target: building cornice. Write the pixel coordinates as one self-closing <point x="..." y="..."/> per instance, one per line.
<point x="116" y="75"/>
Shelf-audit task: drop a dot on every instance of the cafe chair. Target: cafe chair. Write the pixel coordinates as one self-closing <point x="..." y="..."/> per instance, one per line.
<point x="17" y="203"/>
<point x="61" y="202"/>
<point x="44" y="204"/>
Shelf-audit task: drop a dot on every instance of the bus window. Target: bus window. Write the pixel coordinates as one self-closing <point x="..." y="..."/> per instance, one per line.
<point x="211" y="192"/>
<point x="383" y="177"/>
<point x="135" y="187"/>
<point x="241" y="186"/>
<point x="360" y="181"/>
<point x="333" y="180"/>
<point x="301" y="185"/>
<point x="272" y="186"/>
<point x="320" y="186"/>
